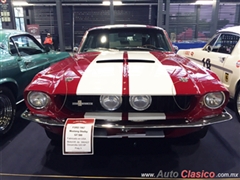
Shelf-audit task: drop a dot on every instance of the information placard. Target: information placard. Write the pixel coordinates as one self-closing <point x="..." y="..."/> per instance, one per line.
<point x="78" y="136"/>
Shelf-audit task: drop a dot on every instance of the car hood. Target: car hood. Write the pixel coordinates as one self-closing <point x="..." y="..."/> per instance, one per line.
<point x="126" y="73"/>
<point x="56" y="55"/>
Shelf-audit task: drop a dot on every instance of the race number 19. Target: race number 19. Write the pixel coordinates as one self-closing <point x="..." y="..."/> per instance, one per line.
<point x="206" y="63"/>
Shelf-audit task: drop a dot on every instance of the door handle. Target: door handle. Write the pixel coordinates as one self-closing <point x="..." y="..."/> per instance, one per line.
<point x="27" y="61"/>
<point x="222" y="59"/>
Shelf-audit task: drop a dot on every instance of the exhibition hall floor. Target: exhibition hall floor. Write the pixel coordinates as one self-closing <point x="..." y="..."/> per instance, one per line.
<point x="27" y="154"/>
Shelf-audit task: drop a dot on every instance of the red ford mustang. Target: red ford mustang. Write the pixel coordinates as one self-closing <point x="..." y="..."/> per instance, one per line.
<point x="129" y="79"/>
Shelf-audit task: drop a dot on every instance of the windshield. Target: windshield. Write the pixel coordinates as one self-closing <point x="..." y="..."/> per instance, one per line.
<point x="125" y="39"/>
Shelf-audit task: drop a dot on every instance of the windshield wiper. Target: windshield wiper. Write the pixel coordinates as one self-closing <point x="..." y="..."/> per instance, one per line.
<point x="100" y="48"/>
<point x="141" y="48"/>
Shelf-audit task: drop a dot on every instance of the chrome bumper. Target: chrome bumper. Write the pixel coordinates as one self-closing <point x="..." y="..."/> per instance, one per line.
<point x="154" y="124"/>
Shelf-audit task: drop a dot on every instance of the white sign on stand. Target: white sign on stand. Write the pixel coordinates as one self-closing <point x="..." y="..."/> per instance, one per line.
<point x="78" y="136"/>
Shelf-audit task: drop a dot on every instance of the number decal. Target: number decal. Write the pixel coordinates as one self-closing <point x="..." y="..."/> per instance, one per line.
<point x="207" y="63"/>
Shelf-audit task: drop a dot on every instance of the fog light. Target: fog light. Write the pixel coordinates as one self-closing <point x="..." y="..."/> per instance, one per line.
<point x="111" y="103"/>
<point x="140" y="103"/>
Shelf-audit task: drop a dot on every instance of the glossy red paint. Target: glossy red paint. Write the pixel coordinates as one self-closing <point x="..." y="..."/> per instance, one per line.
<point x="125" y="82"/>
<point x="63" y="77"/>
<point x="197" y="80"/>
<point x="198" y="83"/>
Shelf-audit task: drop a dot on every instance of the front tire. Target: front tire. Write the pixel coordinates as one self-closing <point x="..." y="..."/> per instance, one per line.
<point x="55" y="138"/>
<point x="7" y="110"/>
<point x="237" y="103"/>
<point x="196" y="136"/>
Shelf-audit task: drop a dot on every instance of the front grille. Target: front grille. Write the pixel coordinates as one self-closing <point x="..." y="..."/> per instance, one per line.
<point x="164" y="104"/>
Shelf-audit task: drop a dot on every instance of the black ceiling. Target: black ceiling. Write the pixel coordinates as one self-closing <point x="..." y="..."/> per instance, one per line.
<point x="124" y="1"/>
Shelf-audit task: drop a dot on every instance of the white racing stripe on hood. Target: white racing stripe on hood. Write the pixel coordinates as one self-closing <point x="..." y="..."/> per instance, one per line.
<point x="148" y="78"/>
<point x="102" y="78"/>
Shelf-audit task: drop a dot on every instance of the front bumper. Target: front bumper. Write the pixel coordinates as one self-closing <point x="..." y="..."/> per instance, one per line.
<point x="150" y="128"/>
<point x="149" y="124"/>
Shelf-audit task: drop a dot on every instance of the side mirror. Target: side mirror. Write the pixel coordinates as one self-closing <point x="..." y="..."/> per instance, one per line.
<point x="209" y="48"/>
<point x="175" y="48"/>
<point x="47" y="49"/>
<point x="75" y="49"/>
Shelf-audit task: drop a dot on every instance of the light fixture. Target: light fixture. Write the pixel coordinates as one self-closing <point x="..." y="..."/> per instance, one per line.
<point x="20" y="3"/>
<point x="103" y="39"/>
<point x="115" y="3"/>
<point x="206" y="2"/>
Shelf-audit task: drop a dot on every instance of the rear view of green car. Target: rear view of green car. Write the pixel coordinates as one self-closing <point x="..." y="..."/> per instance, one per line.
<point x="21" y="57"/>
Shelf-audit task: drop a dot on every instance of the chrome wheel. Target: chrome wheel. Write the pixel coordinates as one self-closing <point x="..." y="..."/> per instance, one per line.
<point x="237" y="102"/>
<point x="7" y="110"/>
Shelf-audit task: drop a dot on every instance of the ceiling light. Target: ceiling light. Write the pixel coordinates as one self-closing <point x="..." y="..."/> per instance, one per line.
<point x="115" y="3"/>
<point x="20" y="3"/>
<point x="203" y="2"/>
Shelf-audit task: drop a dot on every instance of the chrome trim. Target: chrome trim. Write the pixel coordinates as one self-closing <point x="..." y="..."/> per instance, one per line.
<point x="129" y="136"/>
<point x="19" y="101"/>
<point x="80" y="103"/>
<point x="132" y="116"/>
<point x="225" y="116"/>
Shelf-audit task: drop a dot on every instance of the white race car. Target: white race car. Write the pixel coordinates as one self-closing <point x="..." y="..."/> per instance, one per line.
<point x="222" y="55"/>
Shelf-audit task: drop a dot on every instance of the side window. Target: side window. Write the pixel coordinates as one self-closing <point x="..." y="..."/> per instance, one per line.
<point x="211" y="44"/>
<point x="27" y="45"/>
<point x="162" y="42"/>
<point x="12" y="48"/>
<point x="227" y="43"/>
<point x="88" y="43"/>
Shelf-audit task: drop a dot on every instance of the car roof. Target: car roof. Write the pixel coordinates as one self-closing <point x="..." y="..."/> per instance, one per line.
<point x="234" y="29"/>
<point x="5" y="34"/>
<point x="125" y="26"/>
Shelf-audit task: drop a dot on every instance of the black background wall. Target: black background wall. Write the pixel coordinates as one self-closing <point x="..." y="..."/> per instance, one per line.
<point x="182" y="19"/>
<point x="77" y="19"/>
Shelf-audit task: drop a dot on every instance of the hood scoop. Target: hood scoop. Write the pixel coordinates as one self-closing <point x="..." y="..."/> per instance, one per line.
<point x="129" y="60"/>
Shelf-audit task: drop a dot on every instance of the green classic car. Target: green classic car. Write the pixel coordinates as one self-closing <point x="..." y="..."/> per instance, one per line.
<point x="21" y="57"/>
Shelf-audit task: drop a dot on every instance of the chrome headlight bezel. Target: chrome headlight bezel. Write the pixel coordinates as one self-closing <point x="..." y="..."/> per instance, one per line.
<point x="134" y="106"/>
<point x="105" y="106"/>
<point x="212" y="96"/>
<point x="38" y="96"/>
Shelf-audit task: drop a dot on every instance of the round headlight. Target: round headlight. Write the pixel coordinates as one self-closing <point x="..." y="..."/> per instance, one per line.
<point x="38" y="100"/>
<point x="111" y="103"/>
<point x="140" y="103"/>
<point x="214" y="100"/>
